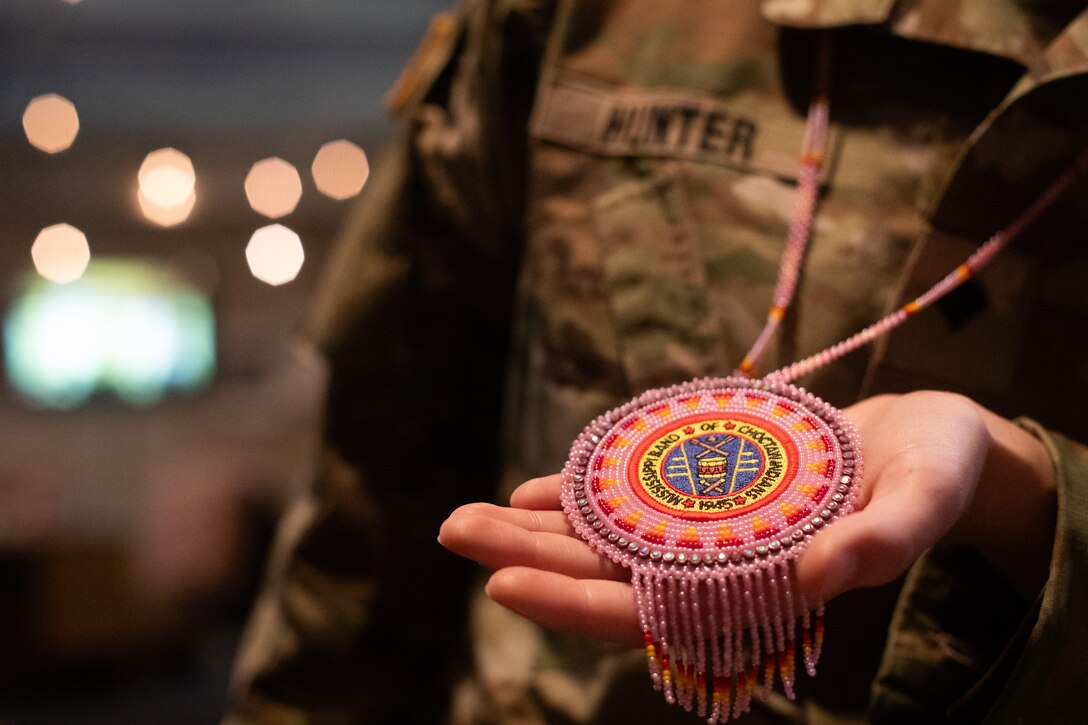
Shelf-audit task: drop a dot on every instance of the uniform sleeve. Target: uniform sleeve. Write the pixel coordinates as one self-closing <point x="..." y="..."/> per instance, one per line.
<point x="963" y="647"/>
<point x="361" y="613"/>
<point x="1045" y="682"/>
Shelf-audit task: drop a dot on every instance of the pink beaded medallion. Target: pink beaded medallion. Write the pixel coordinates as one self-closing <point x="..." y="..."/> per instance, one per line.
<point x="708" y="491"/>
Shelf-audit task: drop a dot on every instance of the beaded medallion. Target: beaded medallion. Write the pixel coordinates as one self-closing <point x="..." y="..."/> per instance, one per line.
<point x="708" y="491"/>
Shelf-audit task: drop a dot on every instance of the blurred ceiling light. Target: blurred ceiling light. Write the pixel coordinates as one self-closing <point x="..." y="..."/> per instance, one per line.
<point x="340" y="169"/>
<point x="273" y="187"/>
<point x="274" y="254"/>
<point x="166" y="216"/>
<point x="167" y="179"/>
<point x="61" y="253"/>
<point x="126" y="326"/>
<point x="51" y="123"/>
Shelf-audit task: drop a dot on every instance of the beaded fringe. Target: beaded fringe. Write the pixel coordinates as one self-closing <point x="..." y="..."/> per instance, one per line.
<point x="728" y="637"/>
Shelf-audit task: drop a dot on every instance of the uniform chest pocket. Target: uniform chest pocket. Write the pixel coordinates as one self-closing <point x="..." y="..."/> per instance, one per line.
<point x="656" y="276"/>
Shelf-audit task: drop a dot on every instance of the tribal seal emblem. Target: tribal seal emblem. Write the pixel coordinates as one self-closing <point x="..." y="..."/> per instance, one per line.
<point x="709" y="465"/>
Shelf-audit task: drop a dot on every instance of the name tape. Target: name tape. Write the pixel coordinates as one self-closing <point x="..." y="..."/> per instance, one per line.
<point x="668" y="123"/>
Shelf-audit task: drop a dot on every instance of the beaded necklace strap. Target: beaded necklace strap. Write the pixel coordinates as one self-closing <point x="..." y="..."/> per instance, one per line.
<point x="975" y="263"/>
<point x="811" y="164"/>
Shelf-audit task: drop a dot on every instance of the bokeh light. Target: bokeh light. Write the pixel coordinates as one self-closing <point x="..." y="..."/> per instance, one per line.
<point x="340" y="169"/>
<point x="166" y="216"/>
<point x="167" y="182"/>
<point x="51" y="123"/>
<point x="274" y="254"/>
<point x="61" y="253"/>
<point x="273" y="187"/>
<point x="126" y="326"/>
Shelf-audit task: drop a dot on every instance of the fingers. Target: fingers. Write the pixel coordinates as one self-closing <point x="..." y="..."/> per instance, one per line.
<point x="538" y="493"/>
<point x="497" y="538"/>
<point x="544" y="520"/>
<point x="543" y="570"/>
<point x="603" y="610"/>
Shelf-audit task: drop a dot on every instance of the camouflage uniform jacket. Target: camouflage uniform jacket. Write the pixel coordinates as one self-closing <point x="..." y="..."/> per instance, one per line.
<point x="498" y="288"/>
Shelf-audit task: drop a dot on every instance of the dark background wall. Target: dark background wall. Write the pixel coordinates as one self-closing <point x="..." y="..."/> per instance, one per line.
<point x="129" y="536"/>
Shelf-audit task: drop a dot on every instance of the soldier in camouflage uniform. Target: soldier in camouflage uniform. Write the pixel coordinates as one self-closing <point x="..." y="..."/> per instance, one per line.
<point x="499" y="288"/>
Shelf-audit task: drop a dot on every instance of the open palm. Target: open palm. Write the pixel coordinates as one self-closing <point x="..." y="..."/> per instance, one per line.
<point x="925" y="455"/>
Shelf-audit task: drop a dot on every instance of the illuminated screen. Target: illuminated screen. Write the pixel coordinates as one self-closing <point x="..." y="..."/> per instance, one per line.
<point x="126" y="328"/>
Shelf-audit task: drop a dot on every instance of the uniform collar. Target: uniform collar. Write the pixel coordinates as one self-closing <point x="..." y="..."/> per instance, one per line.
<point x="1011" y="29"/>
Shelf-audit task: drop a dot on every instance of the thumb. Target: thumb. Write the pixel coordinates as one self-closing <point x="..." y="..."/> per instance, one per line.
<point x="876" y="544"/>
<point x="926" y="453"/>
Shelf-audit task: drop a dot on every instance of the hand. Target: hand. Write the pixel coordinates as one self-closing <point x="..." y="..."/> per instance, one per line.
<point x="937" y="466"/>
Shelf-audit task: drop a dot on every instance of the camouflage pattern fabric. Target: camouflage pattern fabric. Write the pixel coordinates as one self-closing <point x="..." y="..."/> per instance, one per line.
<point x="591" y="198"/>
